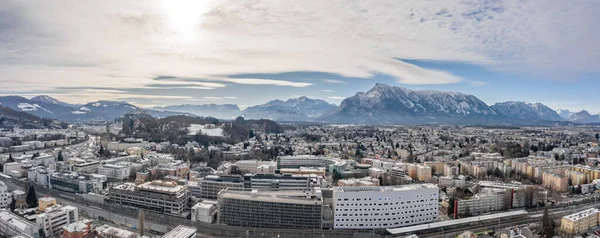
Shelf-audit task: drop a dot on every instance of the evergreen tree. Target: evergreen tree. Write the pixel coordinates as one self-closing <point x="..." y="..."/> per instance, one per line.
<point x="251" y="134"/>
<point x="10" y="159"/>
<point x="13" y="205"/>
<point x="32" y="200"/>
<point x="597" y="136"/>
<point x="547" y="228"/>
<point x="60" y="156"/>
<point x="101" y="151"/>
<point x="336" y="176"/>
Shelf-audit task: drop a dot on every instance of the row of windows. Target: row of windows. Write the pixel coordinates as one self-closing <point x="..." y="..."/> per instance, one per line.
<point x="389" y="208"/>
<point x="384" y="198"/>
<point x="360" y="210"/>
<point x="384" y="203"/>
<point x="416" y="221"/>
<point x="420" y="214"/>
<point x="384" y="219"/>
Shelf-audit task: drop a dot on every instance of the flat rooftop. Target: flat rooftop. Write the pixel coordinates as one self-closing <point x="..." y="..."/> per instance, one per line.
<point x="14" y="220"/>
<point x="181" y="232"/>
<point x="280" y="196"/>
<point x="582" y="214"/>
<point x="385" y="189"/>
<point x="106" y="229"/>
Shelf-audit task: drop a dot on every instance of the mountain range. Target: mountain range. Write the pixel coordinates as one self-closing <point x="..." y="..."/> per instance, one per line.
<point x="296" y="109"/>
<point x="223" y="111"/>
<point x="48" y="107"/>
<point x="381" y="104"/>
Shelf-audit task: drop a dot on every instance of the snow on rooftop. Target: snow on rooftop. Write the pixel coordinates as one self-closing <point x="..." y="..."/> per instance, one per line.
<point x="582" y="214"/>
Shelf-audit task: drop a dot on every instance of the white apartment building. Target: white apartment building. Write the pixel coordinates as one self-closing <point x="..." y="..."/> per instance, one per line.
<point x="5" y="196"/>
<point x="52" y="221"/>
<point x="384" y="207"/>
<point x="114" y="171"/>
<point x="481" y="203"/>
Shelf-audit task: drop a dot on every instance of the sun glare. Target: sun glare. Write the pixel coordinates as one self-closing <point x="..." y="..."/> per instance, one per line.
<point x="184" y="17"/>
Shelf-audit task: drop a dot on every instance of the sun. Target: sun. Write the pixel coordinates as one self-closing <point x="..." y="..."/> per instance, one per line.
<point x="184" y="17"/>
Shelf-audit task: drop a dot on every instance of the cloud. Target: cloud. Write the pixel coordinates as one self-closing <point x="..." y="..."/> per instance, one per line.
<point x="231" y="97"/>
<point x="117" y="43"/>
<point x="336" y="98"/>
<point x="333" y="81"/>
<point x="328" y="90"/>
<point x="213" y="98"/>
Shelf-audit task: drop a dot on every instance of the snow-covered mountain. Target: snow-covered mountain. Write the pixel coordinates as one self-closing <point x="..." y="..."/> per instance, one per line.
<point x="223" y="111"/>
<point x="40" y="109"/>
<point x="51" y="100"/>
<point x="103" y="110"/>
<point x="565" y="114"/>
<point x="384" y="103"/>
<point x="584" y="117"/>
<point x="296" y="109"/>
<point x="526" y="111"/>
<point x="100" y="110"/>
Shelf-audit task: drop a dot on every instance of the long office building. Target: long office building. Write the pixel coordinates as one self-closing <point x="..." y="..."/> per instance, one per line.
<point x="281" y="181"/>
<point x="384" y="207"/>
<point x="293" y="209"/>
<point x="164" y="197"/>
<point x="299" y="161"/>
<point x="211" y="185"/>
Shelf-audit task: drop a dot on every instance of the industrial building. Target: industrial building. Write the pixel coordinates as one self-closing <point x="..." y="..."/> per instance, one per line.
<point x="384" y="207"/>
<point x="165" y="197"/>
<point x="13" y="225"/>
<point x="293" y="209"/>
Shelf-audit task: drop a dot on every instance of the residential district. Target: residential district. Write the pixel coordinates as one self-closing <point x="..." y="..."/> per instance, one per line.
<point x="111" y="180"/>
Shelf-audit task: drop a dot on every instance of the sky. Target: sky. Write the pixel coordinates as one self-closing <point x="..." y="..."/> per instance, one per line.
<point x="154" y="52"/>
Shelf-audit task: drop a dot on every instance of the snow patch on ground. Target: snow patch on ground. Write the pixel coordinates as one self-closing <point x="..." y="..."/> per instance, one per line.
<point x="85" y="109"/>
<point x="78" y="112"/>
<point x="209" y="130"/>
<point x="96" y="104"/>
<point x="26" y="107"/>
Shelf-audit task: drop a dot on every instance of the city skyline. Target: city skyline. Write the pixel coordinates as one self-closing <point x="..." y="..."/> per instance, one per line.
<point x="195" y="52"/>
